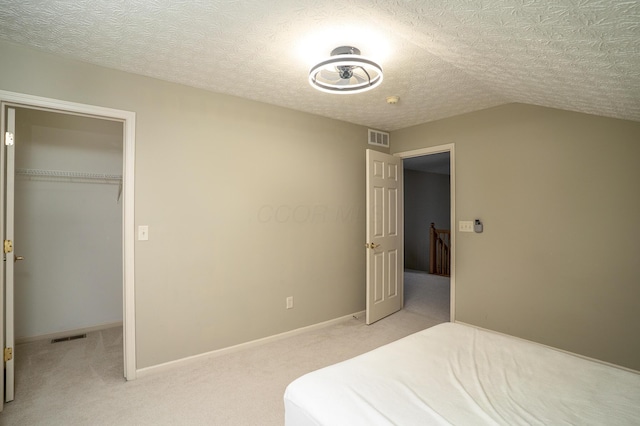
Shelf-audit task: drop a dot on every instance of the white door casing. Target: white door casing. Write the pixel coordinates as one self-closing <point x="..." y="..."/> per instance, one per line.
<point x="128" y="118"/>
<point x="384" y="245"/>
<point x="7" y="164"/>
<point x="450" y="148"/>
<point x="3" y="129"/>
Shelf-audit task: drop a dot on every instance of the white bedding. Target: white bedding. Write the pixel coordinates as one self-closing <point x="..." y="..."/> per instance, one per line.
<point x="457" y="374"/>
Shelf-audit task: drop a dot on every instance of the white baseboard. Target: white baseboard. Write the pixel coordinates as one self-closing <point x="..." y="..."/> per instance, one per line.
<point x="65" y="333"/>
<point x="218" y="352"/>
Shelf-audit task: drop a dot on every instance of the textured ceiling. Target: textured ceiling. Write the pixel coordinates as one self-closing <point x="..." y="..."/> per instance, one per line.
<point x="442" y="57"/>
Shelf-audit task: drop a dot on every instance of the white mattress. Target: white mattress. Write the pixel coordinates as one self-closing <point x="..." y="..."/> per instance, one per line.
<point x="457" y="374"/>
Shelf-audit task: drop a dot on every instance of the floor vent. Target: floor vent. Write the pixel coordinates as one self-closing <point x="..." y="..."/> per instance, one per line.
<point x="67" y="338"/>
<point x="378" y="138"/>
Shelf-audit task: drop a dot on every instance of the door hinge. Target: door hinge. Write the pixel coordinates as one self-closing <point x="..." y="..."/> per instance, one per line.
<point x="8" y="138"/>
<point x="8" y="246"/>
<point x="8" y="354"/>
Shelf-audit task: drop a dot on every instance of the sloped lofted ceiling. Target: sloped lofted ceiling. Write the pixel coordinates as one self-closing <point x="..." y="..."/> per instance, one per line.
<point x="441" y="57"/>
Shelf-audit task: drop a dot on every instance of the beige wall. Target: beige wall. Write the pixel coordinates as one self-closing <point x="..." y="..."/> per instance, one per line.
<point x="559" y="196"/>
<point x="246" y="204"/>
<point x="249" y="203"/>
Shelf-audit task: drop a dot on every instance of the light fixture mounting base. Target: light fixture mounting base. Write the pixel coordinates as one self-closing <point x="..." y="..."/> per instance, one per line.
<point x="345" y="50"/>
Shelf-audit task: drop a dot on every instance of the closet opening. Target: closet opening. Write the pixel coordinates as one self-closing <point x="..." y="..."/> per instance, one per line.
<point x="67" y="200"/>
<point x="68" y="229"/>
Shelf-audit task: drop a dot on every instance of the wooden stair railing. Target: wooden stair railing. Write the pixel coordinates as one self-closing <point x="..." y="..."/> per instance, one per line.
<point x="439" y="251"/>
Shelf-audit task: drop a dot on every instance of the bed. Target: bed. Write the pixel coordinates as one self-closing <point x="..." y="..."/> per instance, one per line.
<point x="461" y="375"/>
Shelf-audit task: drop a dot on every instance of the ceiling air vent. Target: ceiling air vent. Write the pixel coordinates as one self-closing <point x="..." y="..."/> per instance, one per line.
<point x="378" y="138"/>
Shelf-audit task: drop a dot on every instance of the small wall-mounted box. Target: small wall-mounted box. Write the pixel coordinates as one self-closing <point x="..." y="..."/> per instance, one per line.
<point x="477" y="226"/>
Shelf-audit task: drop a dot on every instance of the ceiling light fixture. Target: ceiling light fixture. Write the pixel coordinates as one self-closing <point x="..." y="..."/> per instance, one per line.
<point x="345" y="72"/>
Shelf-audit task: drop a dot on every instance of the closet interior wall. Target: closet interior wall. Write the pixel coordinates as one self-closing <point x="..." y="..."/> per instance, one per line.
<point x="69" y="230"/>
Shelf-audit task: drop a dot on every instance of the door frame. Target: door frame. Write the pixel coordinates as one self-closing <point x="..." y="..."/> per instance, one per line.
<point x="128" y="119"/>
<point x="450" y="148"/>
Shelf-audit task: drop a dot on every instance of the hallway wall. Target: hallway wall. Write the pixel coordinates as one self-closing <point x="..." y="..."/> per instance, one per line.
<point x="427" y="199"/>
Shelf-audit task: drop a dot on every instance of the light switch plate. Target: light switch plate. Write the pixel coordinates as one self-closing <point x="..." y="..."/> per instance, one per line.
<point x="143" y="233"/>
<point x="465" y="226"/>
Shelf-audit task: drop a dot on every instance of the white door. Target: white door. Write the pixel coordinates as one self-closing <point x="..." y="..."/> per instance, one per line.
<point x="385" y="251"/>
<point x="7" y="200"/>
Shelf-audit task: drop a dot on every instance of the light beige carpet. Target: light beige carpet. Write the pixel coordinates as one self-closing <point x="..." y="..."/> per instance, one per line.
<point x="427" y="294"/>
<point x="80" y="382"/>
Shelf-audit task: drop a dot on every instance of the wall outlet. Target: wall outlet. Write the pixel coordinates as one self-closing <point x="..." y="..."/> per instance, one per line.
<point x="290" y="302"/>
<point x="465" y="226"/>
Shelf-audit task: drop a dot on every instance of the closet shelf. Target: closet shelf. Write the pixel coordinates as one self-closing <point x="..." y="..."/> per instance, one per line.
<point x="76" y="177"/>
<point x="70" y="175"/>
